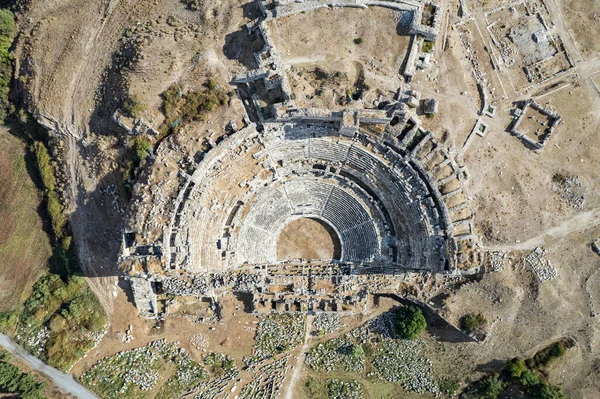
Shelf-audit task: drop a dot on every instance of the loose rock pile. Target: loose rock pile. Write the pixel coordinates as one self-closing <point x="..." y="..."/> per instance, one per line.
<point x="339" y="354"/>
<point x="573" y="192"/>
<point x="199" y="341"/>
<point x="338" y="389"/>
<point x="496" y="259"/>
<point x="278" y="333"/>
<point x="375" y="329"/>
<point x="542" y="267"/>
<point x="36" y="343"/>
<point x="175" y="286"/>
<point x="267" y="382"/>
<point x="471" y="54"/>
<point x="403" y="361"/>
<point x="135" y="372"/>
<point x="327" y="322"/>
<point x="214" y="387"/>
<point x="188" y="375"/>
<point x="129" y="371"/>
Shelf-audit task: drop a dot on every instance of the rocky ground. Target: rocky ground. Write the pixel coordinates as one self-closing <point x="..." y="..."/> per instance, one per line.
<point x="74" y="67"/>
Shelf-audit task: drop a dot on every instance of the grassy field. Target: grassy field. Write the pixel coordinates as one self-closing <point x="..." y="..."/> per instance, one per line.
<point x="24" y="246"/>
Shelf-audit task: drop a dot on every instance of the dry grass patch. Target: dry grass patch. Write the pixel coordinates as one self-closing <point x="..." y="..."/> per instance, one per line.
<point x="24" y="246"/>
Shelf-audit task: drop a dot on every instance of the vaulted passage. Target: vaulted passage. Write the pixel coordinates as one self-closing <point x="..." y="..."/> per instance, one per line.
<point x="308" y="238"/>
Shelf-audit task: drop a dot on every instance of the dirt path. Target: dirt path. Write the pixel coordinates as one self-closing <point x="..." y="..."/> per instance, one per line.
<point x="576" y="223"/>
<point x="62" y="380"/>
<point x="297" y="370"/>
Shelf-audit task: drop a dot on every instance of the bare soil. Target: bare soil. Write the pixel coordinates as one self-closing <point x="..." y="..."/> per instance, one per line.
<point x="313" y="40"/>
<point x="306" y="238"/>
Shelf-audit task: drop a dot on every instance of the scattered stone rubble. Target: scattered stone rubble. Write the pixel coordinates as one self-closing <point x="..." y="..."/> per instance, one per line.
<point x="394" y="360"/>
<point x="36" y="343"/>
<point x="268" y="380"/>
<point x="337" y="354"/>
<point x="199" y="341"/>
<point x="403" y="361"/>
<point x="542" y="267"/>
<point x="376" y="329"/>
<point x="339" y="389"/>
<point x="133" y="372"/>
<point x="572" y="191"/>
<point x="497" y="260"/>
<point x="133" y="369"/>
<point x="278" y="333"/>
<point x="471" y="54"/>
<point x="326" y="323"/>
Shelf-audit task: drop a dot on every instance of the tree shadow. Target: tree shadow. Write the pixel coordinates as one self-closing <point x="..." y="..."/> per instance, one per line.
<point x="492" y="366"/>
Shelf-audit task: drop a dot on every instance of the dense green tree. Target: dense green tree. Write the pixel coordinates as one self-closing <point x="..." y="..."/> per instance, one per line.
<point x="410" y="322"/>
<point x="489" y="387"/>
<point x="516" y="367"/>
<point x="547" y="391"/>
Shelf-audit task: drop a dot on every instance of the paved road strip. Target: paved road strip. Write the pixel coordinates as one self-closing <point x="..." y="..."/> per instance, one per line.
<point x="62" y="380"/>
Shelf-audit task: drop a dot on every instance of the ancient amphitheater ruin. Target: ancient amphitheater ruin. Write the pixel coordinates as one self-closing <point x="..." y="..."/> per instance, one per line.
<point x="388" y="194"/>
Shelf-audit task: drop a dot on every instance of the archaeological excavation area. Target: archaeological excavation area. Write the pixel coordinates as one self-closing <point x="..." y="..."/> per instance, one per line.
<point x="382" y="201"/>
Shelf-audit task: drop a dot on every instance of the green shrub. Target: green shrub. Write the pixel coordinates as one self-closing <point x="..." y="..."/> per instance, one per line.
<point x="448" y="386"/>
<point x="7" y="24"/>
<point x="358" y="40"/>
<point x="9" y="377"/>
<point x="133" y="107"/>
<point x="211" y="85"/>
<point x="46" y="170"/>
<point x="559" y="178"/>
<point x="489" y="387"/>
<point x="12" y="380"/>
<point x="544" y="357"/>
<point x="427" y="46"/>
<point x="72" y="314"/>
<point x="472" y="322"/>
<point x="44" y="165"/>
<point x="410" y="322"/>
<point x="180" y="108"/>
<point x="8" y="320"/>
<point x="358" y="352"/>
<point x="7" y="32"/>
<point x="57" y="217"/>
<point x="141" y="147"/>
<point x="516" y="367"/>
<point x="219" y="363"/>
<point x="529" y="378"/>
<point x="314" y="388"/>
<point x="547" y="391"/>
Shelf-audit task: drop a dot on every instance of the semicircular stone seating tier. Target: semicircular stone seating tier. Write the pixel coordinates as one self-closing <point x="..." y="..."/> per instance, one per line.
<point x="248" y="188"/>
<point x="277" y="206"/>
<point x="417" y="231"/>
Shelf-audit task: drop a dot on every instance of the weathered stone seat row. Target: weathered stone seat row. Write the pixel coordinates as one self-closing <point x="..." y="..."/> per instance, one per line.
<point x="277" y="206"/>
<point x="377" y="200"/>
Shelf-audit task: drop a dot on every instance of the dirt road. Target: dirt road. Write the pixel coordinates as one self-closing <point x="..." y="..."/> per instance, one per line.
<point x="297" y="370"/>
<point x="576" y="223"/>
